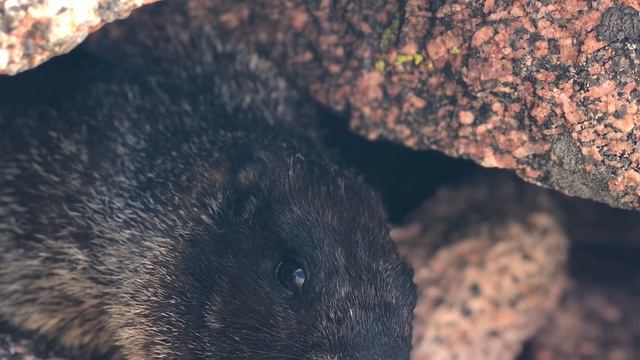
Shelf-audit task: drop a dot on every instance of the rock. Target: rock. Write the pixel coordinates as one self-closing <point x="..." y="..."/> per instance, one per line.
<point x="33" y="31"/>
<point x="489" y="260"/>
<point x="593" y="322"/>
<point x="544" y="88"/>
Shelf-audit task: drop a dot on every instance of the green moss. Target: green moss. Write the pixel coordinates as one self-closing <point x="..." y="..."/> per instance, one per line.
<point x="380" y="65"/>
<point x="416" y="59"/>
<point x="402" y="58"/>
<point x="390" y="33"/>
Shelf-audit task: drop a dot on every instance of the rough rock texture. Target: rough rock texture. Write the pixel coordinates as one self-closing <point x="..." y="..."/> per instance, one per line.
<point x="32" y="31"/>
<point x="546" y="88"/>
<point x="490" y="265"/>
<point x="591" y="323"/>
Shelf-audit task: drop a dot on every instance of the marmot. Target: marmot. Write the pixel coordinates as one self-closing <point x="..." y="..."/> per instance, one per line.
<point x="142" y="216"/>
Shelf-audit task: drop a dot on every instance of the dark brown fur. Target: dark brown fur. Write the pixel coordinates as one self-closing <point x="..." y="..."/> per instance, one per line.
<point x="143" y="213"/>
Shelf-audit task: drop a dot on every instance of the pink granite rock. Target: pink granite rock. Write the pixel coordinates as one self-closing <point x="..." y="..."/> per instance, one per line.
<point x="489" y="260"/>
<point x="33" y="31"/>
<point x="547" y="89"/>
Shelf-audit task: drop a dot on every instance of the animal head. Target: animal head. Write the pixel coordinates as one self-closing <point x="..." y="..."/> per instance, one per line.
<point x="291" y="261"/>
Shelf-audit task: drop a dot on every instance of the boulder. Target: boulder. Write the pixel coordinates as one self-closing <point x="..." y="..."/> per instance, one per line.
<point x="545" y="88"/>
<point x="489" y="260"/>
<point x="33" y="31"/>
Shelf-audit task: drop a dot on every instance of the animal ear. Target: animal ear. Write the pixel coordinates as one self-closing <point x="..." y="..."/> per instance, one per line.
<point x="252" y="172"/>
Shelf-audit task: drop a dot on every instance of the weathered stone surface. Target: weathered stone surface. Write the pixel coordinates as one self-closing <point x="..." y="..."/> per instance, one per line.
<point x="545" y="88"/>
<point x="489" y="261"/>
<point x="33" y="31"/>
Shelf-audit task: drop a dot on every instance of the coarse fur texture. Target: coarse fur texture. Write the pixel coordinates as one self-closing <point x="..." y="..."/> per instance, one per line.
<point x="144" y="211"/>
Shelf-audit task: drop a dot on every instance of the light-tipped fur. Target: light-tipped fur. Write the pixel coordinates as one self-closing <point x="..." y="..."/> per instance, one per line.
<point x="143" y="210"/>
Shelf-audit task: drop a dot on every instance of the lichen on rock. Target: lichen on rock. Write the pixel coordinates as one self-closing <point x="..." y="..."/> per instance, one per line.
<point x="547" y="89"/>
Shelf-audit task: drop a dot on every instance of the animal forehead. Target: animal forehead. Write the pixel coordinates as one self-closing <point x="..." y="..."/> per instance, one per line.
<point x="336" y="239"/>
<point x="325" y="206"/>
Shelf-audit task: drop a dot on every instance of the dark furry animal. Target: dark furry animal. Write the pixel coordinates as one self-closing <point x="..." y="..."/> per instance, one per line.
<point x="165" y="213"/>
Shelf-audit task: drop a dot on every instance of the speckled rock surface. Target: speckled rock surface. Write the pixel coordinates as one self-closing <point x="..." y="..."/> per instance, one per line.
<point x="548" y="89"/>
<point x="592" y="323"/>
<point x="33" y="31"/>
<point x="489" y="261"/>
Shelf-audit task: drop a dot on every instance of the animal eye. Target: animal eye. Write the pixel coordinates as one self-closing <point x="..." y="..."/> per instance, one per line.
<point x="291" y="275"/>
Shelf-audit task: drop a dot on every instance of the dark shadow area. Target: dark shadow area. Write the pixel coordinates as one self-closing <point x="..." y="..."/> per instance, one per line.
<point x="403" y="177"/>
<point x="605" y="243"/>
